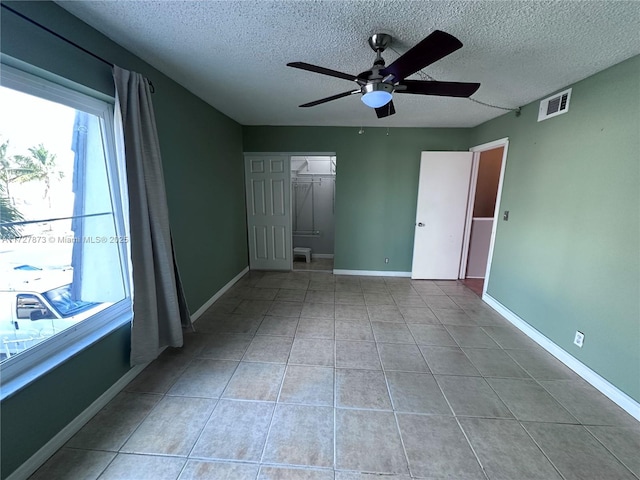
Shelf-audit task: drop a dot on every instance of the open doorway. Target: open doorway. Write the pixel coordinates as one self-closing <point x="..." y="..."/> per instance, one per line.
<point x="313" y="212"/>
<point x="482" y="214"/>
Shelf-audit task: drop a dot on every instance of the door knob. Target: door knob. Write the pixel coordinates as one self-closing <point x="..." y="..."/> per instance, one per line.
<point x="420" y="224"/>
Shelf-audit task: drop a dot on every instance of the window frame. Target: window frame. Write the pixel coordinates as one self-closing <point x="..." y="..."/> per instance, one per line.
<point x="21" y="370"/>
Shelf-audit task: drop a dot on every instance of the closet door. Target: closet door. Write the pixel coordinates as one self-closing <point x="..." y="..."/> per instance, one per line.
<point x="267" y="180"/>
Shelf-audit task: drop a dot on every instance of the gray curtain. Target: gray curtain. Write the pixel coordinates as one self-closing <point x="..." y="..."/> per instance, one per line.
<point x="159" y="307"/>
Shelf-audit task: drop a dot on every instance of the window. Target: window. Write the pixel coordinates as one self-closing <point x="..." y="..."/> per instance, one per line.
<point x="63" y="245"/>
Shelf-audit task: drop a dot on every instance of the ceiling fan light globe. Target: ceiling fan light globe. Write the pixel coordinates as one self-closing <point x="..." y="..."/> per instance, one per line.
<point x="376" y="98"/>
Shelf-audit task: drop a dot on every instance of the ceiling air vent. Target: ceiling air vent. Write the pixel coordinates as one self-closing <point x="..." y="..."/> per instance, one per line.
<point x="554" y="105"/>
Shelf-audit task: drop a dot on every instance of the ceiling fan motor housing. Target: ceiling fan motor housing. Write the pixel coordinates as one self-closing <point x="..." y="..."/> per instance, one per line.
<point x="377" y="86"/>
<point x="379" y="42"/>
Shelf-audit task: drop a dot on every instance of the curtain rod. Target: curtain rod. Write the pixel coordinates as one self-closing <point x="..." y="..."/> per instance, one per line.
<point x="65" y="39"/>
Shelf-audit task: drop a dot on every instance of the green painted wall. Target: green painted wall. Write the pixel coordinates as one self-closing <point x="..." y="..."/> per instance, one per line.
<point x="376" y="184"/>
<point x="569" y="257"/>
<point x="202" y="158"/>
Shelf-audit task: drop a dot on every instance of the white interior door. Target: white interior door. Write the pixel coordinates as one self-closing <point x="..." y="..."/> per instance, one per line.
<point x="441" y="213"/>
<point x="267" y="181"/>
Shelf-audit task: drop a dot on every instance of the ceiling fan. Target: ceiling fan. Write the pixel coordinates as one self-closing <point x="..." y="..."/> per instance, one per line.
<point x="378" y="84"/>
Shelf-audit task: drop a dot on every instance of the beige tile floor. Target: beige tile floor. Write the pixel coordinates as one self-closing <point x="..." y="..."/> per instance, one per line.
<point x="313" y="376"/>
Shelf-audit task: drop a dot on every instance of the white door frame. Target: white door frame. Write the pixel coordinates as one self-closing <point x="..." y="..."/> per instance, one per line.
<point x="477" y="150"/>
<point x="471" y="200"/>
<point x="292" y="154"/>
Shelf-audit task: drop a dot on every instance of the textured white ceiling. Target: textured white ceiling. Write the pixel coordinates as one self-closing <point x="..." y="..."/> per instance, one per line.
<point x="233" y="54"/>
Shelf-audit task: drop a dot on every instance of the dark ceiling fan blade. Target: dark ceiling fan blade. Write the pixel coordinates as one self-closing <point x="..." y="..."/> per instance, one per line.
<point x="322" y="70"/>
<point x="386" y="110"/>
<point x="445" y="89"/>
<point x="437" y="45"/>
<point x="328" y="99"/>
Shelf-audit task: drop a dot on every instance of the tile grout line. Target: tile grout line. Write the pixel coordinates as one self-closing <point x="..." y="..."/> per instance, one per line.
<point x="473" y="450"/>
<point x="442" y="391"/>
<point x="217" y="402"/>
<point x="393" y="403"/>
<point x="394" y="412"/>
<point x="455" y="416"/>
<point x="275" y="405"/>
<point x="541" y="450"/>
<point x="608" y="450"/>
<point x="148" y="414"/>
<point x="537" y="382"/>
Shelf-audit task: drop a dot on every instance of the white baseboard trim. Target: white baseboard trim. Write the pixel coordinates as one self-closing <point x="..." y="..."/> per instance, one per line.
<point x="218" y="294"/>
<point x="371" y="273"/>
<point x="322" y="255"/>
<point x="623" y="400"/>
<point x="36" y="460"/>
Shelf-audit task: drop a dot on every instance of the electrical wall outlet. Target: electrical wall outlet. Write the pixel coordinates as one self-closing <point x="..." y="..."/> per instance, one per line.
<point x="579" y="339"/>
<point x="386" y="260"/>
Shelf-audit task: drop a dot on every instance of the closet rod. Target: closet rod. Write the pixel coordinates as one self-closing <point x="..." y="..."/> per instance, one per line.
<point x="323" y="175"/>
<point x="65" y="39"/>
